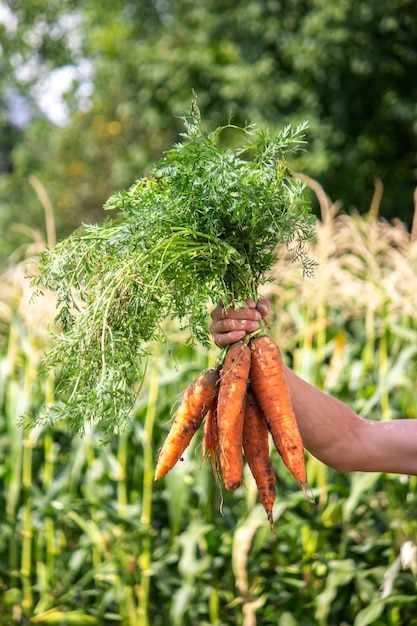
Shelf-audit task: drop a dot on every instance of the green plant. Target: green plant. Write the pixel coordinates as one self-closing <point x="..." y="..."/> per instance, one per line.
<point x="204" y="225"/>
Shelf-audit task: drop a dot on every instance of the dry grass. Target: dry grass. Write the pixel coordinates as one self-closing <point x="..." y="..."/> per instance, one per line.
<point x="364" y="265"/>
<point x="16" y="294"/>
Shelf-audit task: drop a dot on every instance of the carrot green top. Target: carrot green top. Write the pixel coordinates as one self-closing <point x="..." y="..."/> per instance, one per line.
<point x="203" y="226"/>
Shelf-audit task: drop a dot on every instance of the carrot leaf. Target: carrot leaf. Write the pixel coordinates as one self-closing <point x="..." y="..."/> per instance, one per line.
<point x="203" y="226"/>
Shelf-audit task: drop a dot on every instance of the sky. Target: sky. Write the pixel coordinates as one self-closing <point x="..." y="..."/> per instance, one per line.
<point x="48" y="91"/>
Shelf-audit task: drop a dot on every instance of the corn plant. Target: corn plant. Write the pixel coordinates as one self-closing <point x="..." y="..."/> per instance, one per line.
<point x="87" y="537"/>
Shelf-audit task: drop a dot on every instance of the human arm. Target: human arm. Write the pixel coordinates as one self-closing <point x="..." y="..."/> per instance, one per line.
<point x="331" y="431"/>
<point x="337" y="436"/>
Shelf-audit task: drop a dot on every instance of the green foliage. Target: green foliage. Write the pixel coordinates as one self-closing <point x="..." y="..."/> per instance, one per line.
<point x="205" y="225"/>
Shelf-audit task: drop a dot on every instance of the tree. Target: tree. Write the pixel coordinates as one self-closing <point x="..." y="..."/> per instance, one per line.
<point x="343" y="66"/>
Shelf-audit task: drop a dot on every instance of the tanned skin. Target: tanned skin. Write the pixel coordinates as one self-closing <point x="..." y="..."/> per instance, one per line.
<point x="330" y="430"/>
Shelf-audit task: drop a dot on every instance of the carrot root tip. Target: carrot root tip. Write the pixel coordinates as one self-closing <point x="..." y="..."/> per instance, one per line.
<point x="232" y="485"/>
<point x="307" y="491"/>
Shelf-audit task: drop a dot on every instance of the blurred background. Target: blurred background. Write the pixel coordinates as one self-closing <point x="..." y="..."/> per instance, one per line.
<point x="90" y="96"/>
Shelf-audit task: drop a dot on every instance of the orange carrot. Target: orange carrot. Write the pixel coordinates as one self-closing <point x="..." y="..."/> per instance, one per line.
<point x="267" y="376"/>
<point x="256" y="448"/>
<point x="211" y="440"/>
<point x="195" y="403"/>
<point x="230" y="412"/>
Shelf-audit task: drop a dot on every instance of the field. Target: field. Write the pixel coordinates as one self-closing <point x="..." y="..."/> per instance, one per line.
<point x="87" y="536"/>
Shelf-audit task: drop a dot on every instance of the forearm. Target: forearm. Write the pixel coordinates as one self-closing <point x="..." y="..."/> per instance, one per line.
<point x="333" y="433"/>
<point x="330" y="430"/>
<point x="389" y="446"/>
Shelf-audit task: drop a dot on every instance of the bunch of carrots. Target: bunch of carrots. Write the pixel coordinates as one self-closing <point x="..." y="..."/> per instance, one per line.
<point x="241" y="401"/>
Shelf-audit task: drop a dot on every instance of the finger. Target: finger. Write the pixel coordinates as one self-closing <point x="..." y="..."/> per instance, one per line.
<point x="264" y="307"/>
<point x="223" y="339"/>
<point x="220" y="313"/>
<point x="231" y="324"/>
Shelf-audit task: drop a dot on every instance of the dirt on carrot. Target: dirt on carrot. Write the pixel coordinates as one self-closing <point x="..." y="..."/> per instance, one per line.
<point x="195" y="403"/>
<point x="267" y="376"/>
<point x="211" y="440"/>
<point x="256" y="449"/>
<point x="231" y="402"/>
<point x="243" y="399"/>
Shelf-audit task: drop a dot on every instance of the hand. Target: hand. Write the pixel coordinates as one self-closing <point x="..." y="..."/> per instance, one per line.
<point x="230" y="325"/>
